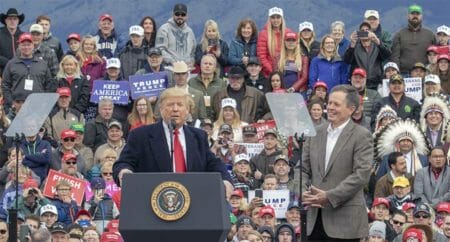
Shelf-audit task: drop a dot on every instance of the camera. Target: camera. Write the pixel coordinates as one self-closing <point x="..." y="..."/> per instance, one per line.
<point x="32" y="191"/>
<point x="362" y="34"/>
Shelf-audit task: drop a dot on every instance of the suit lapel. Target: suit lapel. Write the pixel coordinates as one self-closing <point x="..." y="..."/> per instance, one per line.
<point x="340" y="143"/>
<point x="322" y="143"/>
<point x="161" y="152"/>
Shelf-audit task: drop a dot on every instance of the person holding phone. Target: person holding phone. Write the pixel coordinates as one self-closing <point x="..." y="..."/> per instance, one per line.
<point x="211" y="43"/>
<point x="368" y="52"/>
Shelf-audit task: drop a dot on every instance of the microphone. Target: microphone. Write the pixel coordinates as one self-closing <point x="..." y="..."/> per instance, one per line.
<point x="172" y="124"/>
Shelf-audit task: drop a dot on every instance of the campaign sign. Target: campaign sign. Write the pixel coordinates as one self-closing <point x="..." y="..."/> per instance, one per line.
<point x="110" y="189"/>
<point x="117" y="91"/>
<point x="252" y="149"/>
<point x="78" y="185"/>
<point x="148" y="85"/>
<point x="277" y="199"/>
<point x="261" y="127"/>
<point x="413" y="88"/>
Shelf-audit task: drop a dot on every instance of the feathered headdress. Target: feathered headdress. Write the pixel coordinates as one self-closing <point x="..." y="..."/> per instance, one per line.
<point x="384" y="112"/>
<point x="400" y="129"/>
<point x="435" y="102"/>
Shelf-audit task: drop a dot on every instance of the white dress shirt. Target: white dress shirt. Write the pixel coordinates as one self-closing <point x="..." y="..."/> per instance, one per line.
<point x="332" y="137"/>
<point x="182" y="138"/>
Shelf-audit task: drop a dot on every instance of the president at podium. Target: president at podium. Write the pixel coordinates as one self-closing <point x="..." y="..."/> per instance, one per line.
<point x="169" y="145"/>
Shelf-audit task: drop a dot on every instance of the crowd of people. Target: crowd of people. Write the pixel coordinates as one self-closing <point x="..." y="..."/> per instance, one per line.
<point x="400" y="179"/>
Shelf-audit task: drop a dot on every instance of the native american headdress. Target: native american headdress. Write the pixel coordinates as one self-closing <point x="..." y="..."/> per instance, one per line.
<point x="434" y="102"/>
<point x="384" y="112"/>
<point x="387" y="141"/>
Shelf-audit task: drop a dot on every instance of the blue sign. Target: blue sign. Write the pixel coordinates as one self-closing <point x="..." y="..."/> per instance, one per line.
<point x="117" y="91"/>
<point x="148" y="85"/>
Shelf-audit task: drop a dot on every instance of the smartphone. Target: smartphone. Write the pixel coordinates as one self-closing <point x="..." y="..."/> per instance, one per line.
<point x="24" y="232"/>
<point x="212" y="42"/>
<point x="362" y="34"/>
<point x="258" y="193"/>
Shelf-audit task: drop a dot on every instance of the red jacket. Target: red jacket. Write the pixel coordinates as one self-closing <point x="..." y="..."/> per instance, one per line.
<point x="268" y="62"/>
<point x="302" y="80"/>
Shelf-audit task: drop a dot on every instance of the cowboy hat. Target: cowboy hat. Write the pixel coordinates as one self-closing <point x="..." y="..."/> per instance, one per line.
<point x="12" y="12"/>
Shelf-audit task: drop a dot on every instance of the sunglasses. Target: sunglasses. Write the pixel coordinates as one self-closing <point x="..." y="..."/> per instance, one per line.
<point x="398" y="222"/>
<point x="180" y="14"/>
<point x="71" y="163"/>
<point x="421" y="216"/>
<point x="69" y="139"/>
<point x="3" y="231"/>
<point x="107" y="173"/>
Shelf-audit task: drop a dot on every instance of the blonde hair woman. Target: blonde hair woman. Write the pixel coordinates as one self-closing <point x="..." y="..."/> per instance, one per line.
<point x="211" y="43"/>
<point x="69" y="75"/>
<point x="270" y="40"/>
<point x="293" y="64"/>
<point x="229" y="115"/>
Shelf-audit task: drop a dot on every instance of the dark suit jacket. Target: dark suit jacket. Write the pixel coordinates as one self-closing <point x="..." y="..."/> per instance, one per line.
<point x="146" y="151"/>
<point x="343" y="180"/>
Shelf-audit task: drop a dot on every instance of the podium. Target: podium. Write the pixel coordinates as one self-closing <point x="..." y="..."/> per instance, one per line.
<point x="174" y="207"/>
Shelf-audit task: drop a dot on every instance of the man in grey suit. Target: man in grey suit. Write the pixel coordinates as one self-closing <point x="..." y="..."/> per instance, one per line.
<point x="180" y="77"/>
<point x="432" y="183"/>
<point x="336" y="167"/>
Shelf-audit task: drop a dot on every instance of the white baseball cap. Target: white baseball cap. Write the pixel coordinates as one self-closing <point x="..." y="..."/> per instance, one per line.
<point x="305" y="25"/>
<point x="228" y="102"/>
<point x="137" y="30"/>
<point x="113" y="63"/>
<point x="275" y="11"/>
<point x="49" y="208"/>
<point x="36" y="28"/>
<point x="443" y="29"/>
<point x="390" y="65"/>
<point x="241" y="157"/>
<point x="371" y="13"/>
<point x="432" y="78"/>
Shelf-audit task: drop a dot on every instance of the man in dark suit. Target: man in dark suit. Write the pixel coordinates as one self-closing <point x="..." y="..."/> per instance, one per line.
<point x="336" y="162"/>
<point x="148" y="147"/>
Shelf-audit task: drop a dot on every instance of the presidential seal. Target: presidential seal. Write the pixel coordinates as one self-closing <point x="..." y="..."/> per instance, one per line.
<point x="170" y="201"/>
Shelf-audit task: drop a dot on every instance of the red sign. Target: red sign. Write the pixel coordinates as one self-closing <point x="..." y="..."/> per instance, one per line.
<point x="261" y="127"/>
<point x="78" y="185"/>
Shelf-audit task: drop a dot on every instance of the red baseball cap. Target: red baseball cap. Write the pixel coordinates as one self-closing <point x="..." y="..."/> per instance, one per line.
<point x="443" y="56"/>
<point x="238" y="193"/>
<point x="407" y="206"/>
<point x="320" y="84"/>
<point x="266" y="210"/>
<point x="113" y="225"/>
<point x="30" y="183"/>
<point x="359" y="71"/>
<point x="75" y="36"/>
<point x="68" y="133"/>
<point x="25" y="37"/>
<point x="432" y="48"/>
<point x="443" y="207"/>
<point x="413" y="233"/>
<point x="106" y="16"/>
<point x="63" y="91"/>
<point x="290" y="35"/>
<point x="69" y="156"/>
<point x="380" y="200"/>
<point x="111" y="237"/>
<point x="83" y="212"/>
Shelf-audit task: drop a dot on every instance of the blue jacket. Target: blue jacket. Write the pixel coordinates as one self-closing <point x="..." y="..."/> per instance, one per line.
<point x="66" y="212"/>
<point x="332" y="72"/>
<point x="384" y="166"/>
<point x="147" y="151"/>
<point x="237" y="49"/>
<point x="109" y="47"/>
<point x="37" y="156"/>
<point x="7" y="199"/>
<point x="343" y="46"/>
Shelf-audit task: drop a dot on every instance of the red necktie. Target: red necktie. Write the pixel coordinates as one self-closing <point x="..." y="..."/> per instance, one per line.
<point x="180" y="165"/>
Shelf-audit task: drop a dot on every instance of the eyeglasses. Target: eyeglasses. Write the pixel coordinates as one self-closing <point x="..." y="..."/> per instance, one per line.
<point x="178" y="14"/>
<point x="3" y="231"/>
<point x="111" y="157"/>
<point x="107" y="173"/>
<point x="63" y="189"/>
<point x="71" y="163"/>
<point x="421" y="216"/>
<point x="398" y="222"/>
<point x="69" y="139"/>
